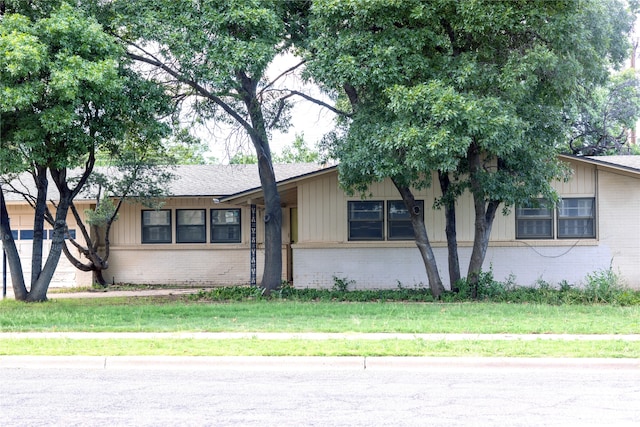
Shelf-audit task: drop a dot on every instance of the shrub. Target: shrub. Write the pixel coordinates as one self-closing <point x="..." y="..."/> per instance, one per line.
<point x="602" y="287"/>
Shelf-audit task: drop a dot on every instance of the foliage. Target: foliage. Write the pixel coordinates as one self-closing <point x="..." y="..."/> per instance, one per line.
<point x="215" y="55"/>
<point x="341" y="284"/>
<point x="298" y="152"/>
<point x="182" y="148"/>
<point x="66" y="92"/>
<point x="602" y="287"/>
<point x="473" y="90"/>
<point x="601" y="122"/>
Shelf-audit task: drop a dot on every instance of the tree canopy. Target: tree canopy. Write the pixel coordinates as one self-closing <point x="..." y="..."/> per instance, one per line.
<point x="472" y="90"/>
<point x="216" y="54"/>
<point x="65" y="92"/>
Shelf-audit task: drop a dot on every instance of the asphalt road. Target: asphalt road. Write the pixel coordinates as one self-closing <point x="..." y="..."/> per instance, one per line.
<point x="319" y="392"/>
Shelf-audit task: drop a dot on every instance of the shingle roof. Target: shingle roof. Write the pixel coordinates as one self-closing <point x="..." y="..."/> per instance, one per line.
<point x="223" y="180"/>
<point x="631" y="162"/>
<point x="198" y="180"/>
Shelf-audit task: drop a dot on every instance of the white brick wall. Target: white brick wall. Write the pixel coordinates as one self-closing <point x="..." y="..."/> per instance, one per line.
<point x="383" y="268"/>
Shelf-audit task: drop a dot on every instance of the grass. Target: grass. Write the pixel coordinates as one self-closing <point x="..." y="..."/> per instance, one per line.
<point x="602" y="306"/>
<point x="183" y="315"/>
<point x="186" y="315"/>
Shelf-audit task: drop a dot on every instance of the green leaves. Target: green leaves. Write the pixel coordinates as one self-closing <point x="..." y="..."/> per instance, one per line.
<point x="435" y="81"/>
<point x="65" y="89"/>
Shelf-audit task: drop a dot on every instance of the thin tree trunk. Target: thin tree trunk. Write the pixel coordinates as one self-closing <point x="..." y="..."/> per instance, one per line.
<point x="39" y="288"/>
<point x="485" y="212"/>
<point x="450" y="230"/>
<point x="422" y="240"/>
<point x="13" y="257"/>
<point x="39" y="213"/>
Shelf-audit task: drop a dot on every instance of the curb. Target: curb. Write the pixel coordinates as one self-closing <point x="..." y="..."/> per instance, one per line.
<point x="351" y="363"/>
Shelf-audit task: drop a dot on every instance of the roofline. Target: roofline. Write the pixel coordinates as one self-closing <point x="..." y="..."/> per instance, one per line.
<point x="602" y="163"/>
<point x="256" y="190"/>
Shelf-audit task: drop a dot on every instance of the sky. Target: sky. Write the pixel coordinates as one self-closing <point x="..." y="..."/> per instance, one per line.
<point x="307" y="119"/>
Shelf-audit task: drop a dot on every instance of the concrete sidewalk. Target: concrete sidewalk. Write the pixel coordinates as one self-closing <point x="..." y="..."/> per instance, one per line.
<point x="108" y="293"/>
<point x="249" y="363"/>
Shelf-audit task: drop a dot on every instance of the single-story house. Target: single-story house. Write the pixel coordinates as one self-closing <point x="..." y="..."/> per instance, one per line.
<point x="202" y="235"/>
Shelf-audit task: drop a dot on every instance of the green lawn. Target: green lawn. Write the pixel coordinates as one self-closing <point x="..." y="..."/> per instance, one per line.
<point x="155" y="315"/>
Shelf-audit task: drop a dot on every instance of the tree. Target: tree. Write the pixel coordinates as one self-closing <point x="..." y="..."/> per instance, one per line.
<point x="471" y="90"/>
<point x="600" y="124"/>
<point x="138" y="172"/>
<point x="298" y="152"/>
<point x="65" y="92"/>
<point x="217" y="52"/>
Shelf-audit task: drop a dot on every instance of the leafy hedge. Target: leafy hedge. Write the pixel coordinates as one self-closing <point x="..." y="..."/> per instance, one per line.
<point x="602" y="287"/>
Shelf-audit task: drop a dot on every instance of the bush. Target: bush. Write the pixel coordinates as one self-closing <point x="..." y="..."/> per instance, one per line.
<point x="602" y="287"/>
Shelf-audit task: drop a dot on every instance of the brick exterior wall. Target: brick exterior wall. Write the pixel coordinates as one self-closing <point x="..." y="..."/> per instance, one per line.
<point x="385" y="268"/>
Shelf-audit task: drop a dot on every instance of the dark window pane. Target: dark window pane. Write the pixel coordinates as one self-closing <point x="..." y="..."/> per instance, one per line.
<point x="576" y="228"/>
<point x="365" y="230"/>
<point x="191" y="226"/>
<point x="156" y="226"/>
<point x="532" y="229"/>
<point x="26" y="234"/>
<point x="225" y="226"/>
<point x="362" y="211"/>
<point x="534" y="220"/>
<point x="399" y="220"/>
<point x="576" y="218"/>
<point x="366" y="220"/>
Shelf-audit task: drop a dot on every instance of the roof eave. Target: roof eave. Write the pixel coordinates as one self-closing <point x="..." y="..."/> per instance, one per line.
<point x="629" y="170"/>
<point x="255" y="193"/>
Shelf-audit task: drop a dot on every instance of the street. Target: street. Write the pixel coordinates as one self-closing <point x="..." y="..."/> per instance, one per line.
<point x="252" y="393"/>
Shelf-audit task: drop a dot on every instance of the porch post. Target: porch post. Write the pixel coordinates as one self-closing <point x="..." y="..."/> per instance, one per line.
<point x="253" y="246"/>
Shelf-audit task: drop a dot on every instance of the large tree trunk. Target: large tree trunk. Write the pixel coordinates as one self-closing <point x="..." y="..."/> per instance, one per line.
<point x="485" y="212"/>
<point x="449" y="203"/>
<point x="422" y="240"/>
<point x="13" y="257"/>
<point x="272" y="274"/>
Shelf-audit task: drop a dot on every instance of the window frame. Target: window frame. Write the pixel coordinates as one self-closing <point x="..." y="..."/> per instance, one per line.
<point x="520" y="218"/>
<point x="557" y="218"/>
<point x="391" y="222"/>
<point x="164" y="227"/>
<point x="591" y="218"/>
<point x="351" y="221"/>
<point x="236" y="225"/>
<point x="185" y="229"/>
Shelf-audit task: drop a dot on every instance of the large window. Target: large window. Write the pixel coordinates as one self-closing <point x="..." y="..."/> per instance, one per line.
<point x="399" y="225"/>
<point x="535" y="220"/>
<point x="225" y="226"/>
<point x="191" y="226"/>
<point x="574" y="218"/>
<point x="156" y="226"/>
<point x="366" y="220"/>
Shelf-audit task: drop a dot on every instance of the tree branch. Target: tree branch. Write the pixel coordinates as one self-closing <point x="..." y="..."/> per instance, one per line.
<point x="319" y="102"/>
<point x="284" y="73"/>
<point x="199" y="88"/>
